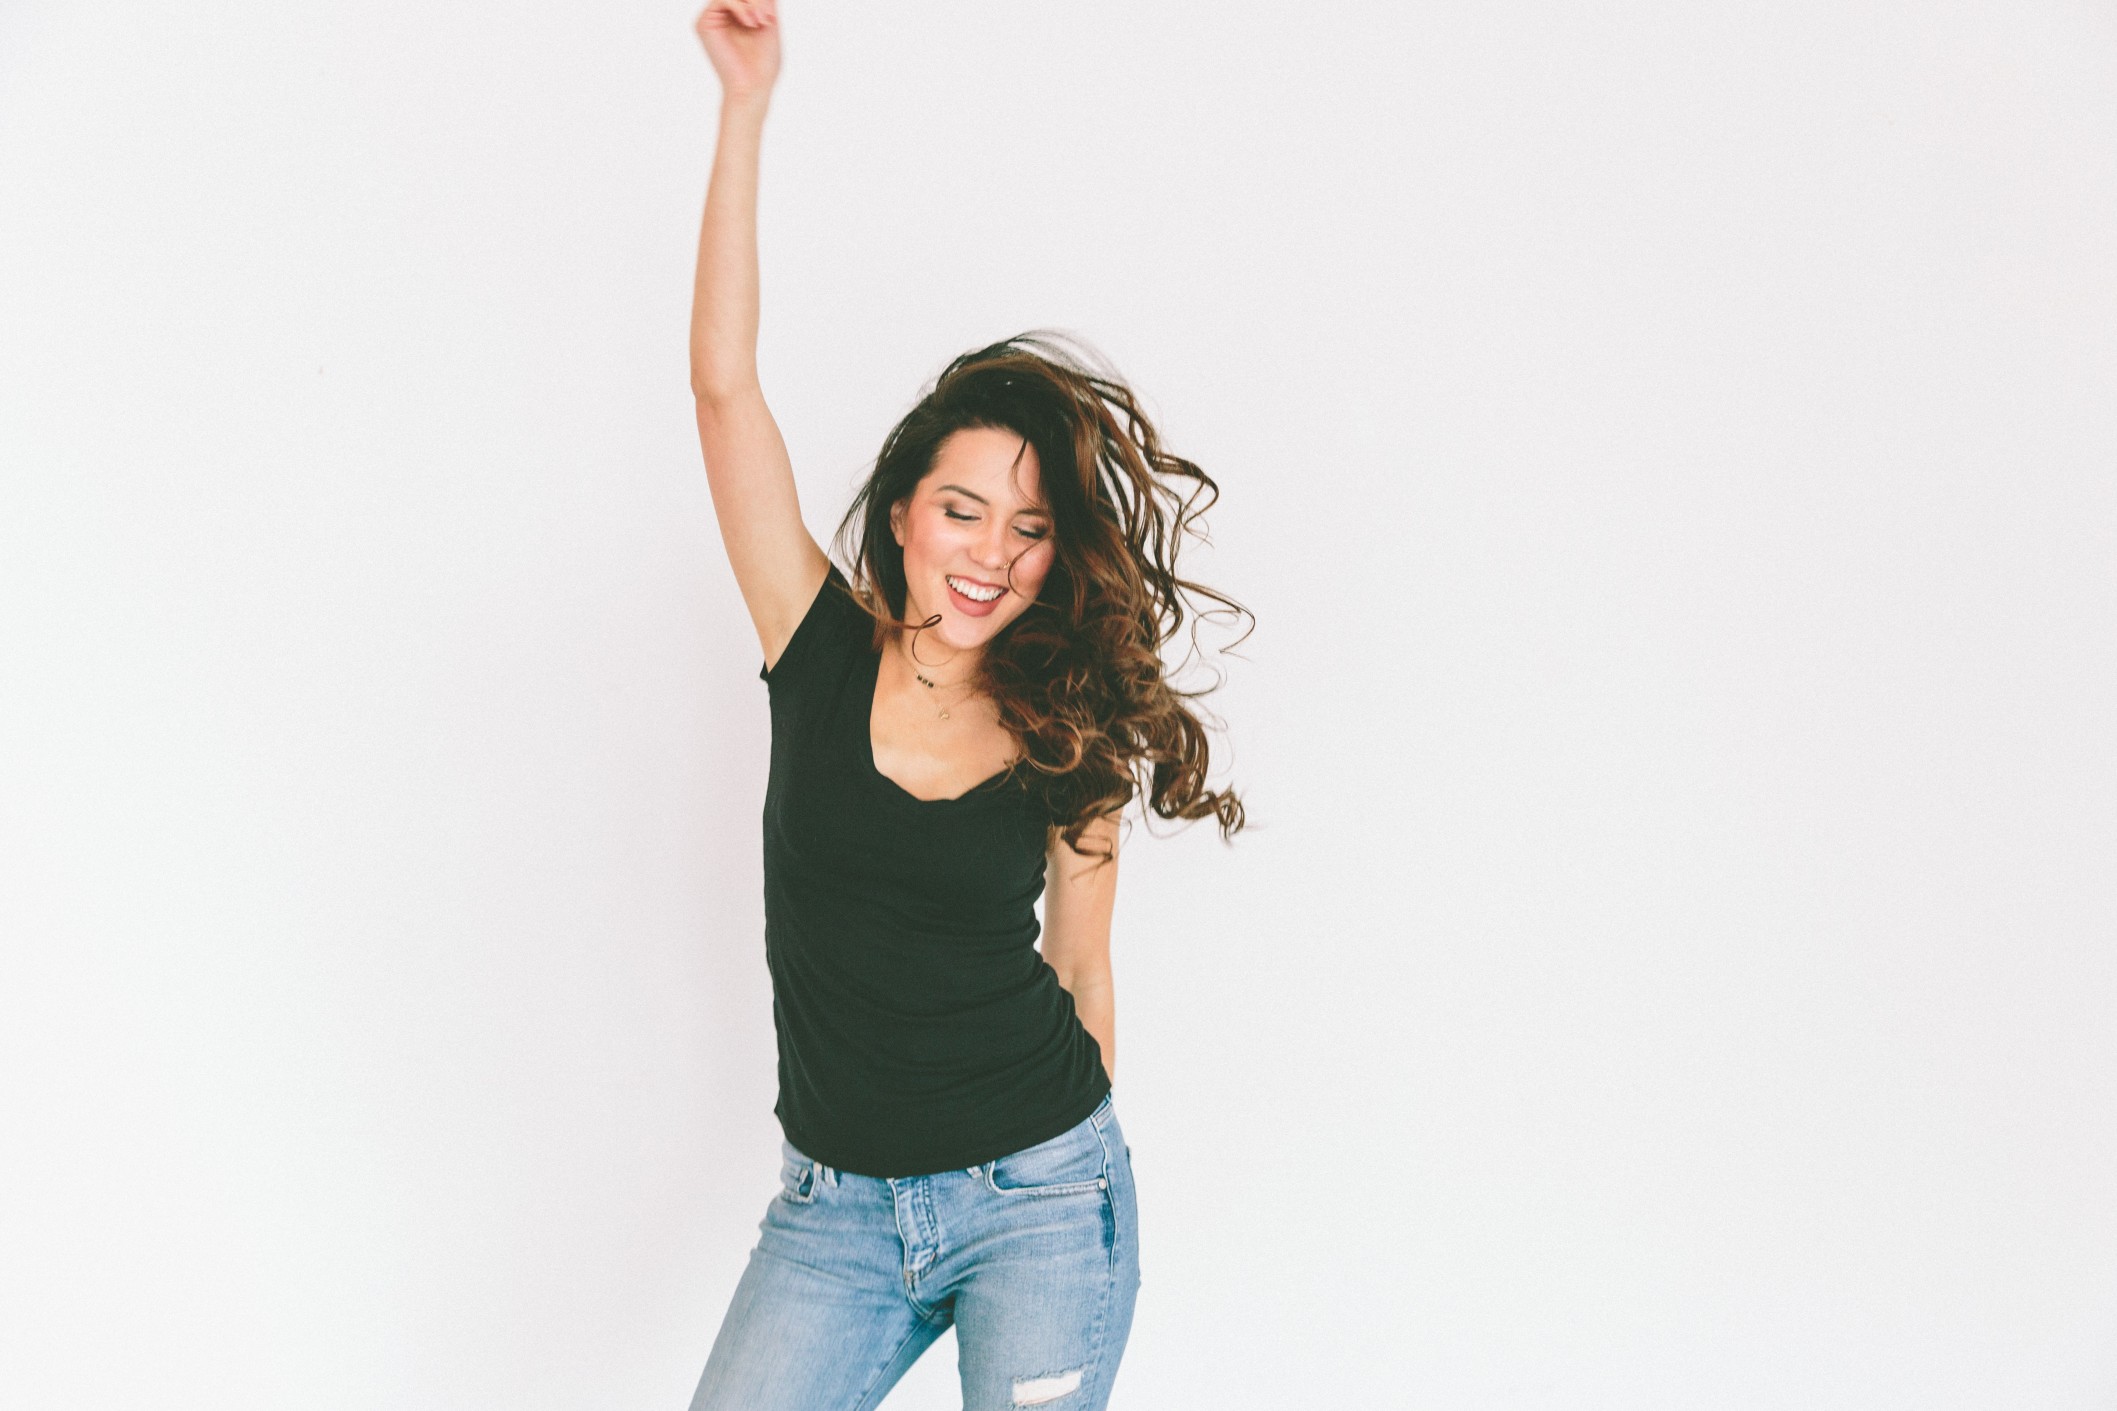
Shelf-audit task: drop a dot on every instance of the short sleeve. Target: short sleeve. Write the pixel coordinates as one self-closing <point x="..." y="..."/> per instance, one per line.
<point x="824" y="637"/>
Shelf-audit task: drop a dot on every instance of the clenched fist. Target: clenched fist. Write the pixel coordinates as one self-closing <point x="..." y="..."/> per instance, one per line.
<point x="742" y="40"/>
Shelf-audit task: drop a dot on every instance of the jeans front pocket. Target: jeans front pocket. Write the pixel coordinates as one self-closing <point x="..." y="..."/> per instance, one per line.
<point x="797" y="1176"/>
<point x="1074" y="1162"/>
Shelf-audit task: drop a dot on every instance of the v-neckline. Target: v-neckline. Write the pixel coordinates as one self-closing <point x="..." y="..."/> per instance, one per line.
<point x="867" y="749"/>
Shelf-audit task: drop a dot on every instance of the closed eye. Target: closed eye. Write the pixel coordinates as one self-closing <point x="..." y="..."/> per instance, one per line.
<point x="1031" y="535"/>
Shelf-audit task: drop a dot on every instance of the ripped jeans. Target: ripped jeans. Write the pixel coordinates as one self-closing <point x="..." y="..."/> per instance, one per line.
<point x="1033" y="1257"/>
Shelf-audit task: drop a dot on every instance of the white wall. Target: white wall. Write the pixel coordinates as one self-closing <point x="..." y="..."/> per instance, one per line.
<point x="1669" y="449"/>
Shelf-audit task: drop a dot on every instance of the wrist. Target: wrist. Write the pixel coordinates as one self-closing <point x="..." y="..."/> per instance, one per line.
<point x="748" y="103"/>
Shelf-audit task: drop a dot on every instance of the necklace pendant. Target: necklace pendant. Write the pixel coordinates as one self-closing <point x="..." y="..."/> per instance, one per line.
<point x="944" y="715"/>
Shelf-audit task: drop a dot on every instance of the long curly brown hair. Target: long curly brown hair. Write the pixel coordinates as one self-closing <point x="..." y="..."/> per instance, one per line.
<point x="1078" y="677"/>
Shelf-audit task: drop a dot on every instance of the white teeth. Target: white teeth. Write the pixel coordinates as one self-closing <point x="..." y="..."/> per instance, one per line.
<point x="983" y="595"/>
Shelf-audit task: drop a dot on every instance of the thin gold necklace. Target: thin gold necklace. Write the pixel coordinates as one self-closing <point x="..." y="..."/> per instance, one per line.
<point x="928" y="682"/>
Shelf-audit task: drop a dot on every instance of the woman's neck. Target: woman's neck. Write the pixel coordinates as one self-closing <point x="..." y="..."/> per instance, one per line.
<point x="957" y="666"/>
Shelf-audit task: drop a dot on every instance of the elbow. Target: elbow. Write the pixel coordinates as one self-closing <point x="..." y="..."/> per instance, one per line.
<point x="721" y="374"/>
<point x="719" y="390"/>
<point x="1080" y="979"/>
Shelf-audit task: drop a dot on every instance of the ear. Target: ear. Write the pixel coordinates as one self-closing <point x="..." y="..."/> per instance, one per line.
<point x="896" y="522"/>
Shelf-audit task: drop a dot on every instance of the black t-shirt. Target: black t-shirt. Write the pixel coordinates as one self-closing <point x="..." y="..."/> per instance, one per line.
<point x="919" y="1029"/>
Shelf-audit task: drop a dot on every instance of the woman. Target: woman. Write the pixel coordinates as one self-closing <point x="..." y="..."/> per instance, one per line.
<point x="954" y="725"/>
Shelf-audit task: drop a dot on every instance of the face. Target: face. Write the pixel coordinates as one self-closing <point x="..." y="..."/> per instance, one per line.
<point x="977" y="542"/>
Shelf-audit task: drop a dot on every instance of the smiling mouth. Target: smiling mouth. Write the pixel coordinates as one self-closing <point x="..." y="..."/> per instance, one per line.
<point x="972" y="589"/>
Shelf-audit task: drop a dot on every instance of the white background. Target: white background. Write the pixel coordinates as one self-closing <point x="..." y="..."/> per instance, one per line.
<point x="1669" y="451"/>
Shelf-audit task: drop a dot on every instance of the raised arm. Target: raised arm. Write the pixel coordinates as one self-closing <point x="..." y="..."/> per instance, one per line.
<point x="777" y="563"/>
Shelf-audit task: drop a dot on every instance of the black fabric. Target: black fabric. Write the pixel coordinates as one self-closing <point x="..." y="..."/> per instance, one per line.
<point x="919" y="1029"/>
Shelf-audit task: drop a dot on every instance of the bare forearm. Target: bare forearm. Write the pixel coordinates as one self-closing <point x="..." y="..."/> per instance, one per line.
<point x="1095" y="1002"/>
<point x="724" y="293"/>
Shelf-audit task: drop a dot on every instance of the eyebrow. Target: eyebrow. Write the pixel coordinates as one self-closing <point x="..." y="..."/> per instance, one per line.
<point x="972" y="494"/>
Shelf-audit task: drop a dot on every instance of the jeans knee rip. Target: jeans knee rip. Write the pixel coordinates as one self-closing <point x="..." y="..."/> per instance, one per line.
<point x="1036" y="1391"/>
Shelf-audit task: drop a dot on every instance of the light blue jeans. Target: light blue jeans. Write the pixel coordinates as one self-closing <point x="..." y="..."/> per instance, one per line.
<point x="1033" y="1257"/>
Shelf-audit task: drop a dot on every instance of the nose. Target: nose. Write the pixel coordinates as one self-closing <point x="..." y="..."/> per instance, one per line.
<point x="991" y="551"/>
